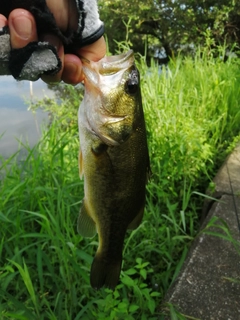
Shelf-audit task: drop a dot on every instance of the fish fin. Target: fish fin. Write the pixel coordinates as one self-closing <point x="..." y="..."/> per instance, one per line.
<point x="80" y="163"/>
<point x="115" y="130"/>
<point x="112" y="130"/>
<point x="99" y="149"/>
<point x="86" y="226"/>
<point x="105" y="273"/>
<point x="137" y="220"/>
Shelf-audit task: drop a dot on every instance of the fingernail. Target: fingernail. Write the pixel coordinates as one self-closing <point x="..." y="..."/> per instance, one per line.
<point x="23" y="27"/>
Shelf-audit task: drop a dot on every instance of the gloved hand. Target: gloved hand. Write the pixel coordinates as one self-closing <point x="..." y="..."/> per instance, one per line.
<point x="66" y="31"/>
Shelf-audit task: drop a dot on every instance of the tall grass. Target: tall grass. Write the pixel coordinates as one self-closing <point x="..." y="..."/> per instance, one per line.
<point x="192" y="117"/>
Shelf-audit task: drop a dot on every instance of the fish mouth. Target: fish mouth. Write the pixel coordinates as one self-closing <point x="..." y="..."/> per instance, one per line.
<point x="100" y="79"/>
<point x="117" y="62"/>
<point x="118" y="59"/>
<point x="110" y="64"/>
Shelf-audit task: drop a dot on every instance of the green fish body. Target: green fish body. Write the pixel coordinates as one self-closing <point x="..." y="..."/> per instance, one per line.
<point x="113" y="159"/>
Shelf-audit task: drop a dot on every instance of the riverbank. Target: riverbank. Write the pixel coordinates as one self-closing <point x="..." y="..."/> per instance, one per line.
<point x="208" y="286"/>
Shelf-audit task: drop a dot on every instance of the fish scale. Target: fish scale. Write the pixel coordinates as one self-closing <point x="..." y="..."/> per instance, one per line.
<point x="113" y="160"/>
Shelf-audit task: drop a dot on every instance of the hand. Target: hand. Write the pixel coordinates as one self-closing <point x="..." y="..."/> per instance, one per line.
<point x="23" y="30"/>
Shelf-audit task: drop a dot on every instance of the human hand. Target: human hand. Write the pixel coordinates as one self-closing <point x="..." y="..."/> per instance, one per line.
<point x="23" y="30"/>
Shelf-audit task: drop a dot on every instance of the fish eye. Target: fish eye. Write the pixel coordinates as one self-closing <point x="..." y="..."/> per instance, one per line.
<point x="132" y="84"/>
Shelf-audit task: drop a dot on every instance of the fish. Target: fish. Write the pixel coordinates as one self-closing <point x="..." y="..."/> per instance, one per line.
<point x="113" y="160"/>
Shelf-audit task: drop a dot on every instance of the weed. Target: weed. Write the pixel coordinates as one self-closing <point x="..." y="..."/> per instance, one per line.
<point x="192" y="116"/>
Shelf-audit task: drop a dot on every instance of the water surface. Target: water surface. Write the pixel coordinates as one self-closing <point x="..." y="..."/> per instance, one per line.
<point x="17" y="123"/>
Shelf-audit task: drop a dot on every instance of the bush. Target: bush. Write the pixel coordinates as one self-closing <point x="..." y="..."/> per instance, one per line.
<point x="192" y="116"/>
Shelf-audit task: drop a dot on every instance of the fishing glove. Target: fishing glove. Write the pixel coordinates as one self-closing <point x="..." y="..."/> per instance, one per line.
<point x="38" y="58"/>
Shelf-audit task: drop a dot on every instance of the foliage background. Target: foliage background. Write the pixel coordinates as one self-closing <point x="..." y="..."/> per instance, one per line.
<point x="192" y="116"/>
<point x="163" y="28"/>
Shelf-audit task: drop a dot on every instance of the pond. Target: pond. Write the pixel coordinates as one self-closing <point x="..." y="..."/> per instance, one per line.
<point x="17" y="123"/>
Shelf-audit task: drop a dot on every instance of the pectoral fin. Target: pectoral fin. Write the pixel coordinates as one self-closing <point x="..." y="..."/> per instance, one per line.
<point x="137" y="220"/>
<point x="111" y="129"/>
<point x="86" y="226"/>
<point x="116" y="130"/>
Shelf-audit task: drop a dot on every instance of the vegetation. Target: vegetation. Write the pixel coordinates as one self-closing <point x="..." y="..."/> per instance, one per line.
<point x="192" y="116"/>
<point x="165" y="27"/>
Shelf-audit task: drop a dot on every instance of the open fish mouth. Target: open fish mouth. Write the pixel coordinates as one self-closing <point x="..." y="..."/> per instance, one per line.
<point x="117" y="62"/>
<point x="104" y="80"/>
<point x="110" y="64"/>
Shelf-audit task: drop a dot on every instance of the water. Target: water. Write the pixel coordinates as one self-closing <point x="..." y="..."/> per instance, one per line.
<point x="16" y="122"/>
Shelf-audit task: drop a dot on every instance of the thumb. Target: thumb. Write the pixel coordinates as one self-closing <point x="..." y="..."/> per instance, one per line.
<point x="94" y="51"/>
<point x="72" y="72"/>
<point x="22" y="28"/>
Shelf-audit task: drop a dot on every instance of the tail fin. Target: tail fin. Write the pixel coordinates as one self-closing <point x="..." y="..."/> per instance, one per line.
<point x="104" y="272"/>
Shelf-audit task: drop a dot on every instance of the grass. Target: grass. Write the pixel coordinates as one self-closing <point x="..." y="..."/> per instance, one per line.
<point x="192" y="117"/>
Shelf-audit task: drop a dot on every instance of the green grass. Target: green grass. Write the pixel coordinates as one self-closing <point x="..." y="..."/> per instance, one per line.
<point x="192" y="114"/>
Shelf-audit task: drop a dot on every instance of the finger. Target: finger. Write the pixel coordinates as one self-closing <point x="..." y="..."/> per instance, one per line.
<point x="72" y="72"/>
<point x="65" y="13"/>
<point x="22" y="28"/>
<point x="94" y="51"/>
<point x="3" y="21"/>
<point x="54" y="41"/>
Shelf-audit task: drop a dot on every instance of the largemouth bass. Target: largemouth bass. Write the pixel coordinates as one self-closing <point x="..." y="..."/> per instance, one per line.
<point x="113" y="159"/>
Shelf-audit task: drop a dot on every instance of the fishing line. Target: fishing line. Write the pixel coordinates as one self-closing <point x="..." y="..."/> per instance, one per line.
<point x="234" y="200"/>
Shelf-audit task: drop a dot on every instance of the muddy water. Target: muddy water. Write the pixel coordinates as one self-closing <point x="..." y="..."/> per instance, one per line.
<point x="16" y="122"/>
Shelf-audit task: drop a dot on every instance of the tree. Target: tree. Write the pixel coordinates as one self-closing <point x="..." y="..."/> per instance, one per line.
<point x="170" y="24"/>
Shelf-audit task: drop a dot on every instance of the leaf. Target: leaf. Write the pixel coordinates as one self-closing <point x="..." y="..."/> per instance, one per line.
<point x="155" y="294"/>
<point x="27" y="281"/>
<point x="130" y="271"/>
<point x="133" y="308"/>
<point x="16" y="316"/>
<point x="143" y="273"/>
<point x="128" y="281"/>
<point x="122" y="306"/>
<point x="85" y="256"/>
<point x="151" y="305"/>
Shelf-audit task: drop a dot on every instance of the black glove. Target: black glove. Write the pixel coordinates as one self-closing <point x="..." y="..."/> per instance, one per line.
<point x="38" y="58"/>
